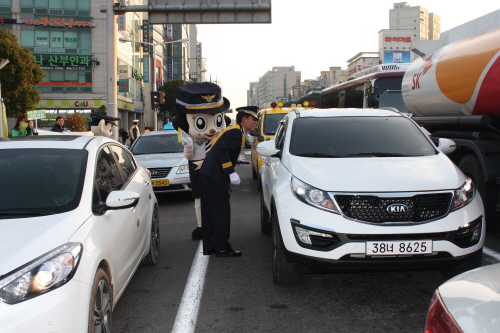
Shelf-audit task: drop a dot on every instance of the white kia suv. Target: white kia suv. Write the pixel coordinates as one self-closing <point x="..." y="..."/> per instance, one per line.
<point x="365" y="189"/>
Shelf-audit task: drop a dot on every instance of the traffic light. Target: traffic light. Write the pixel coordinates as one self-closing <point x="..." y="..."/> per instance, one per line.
<point x="155" y="99"/>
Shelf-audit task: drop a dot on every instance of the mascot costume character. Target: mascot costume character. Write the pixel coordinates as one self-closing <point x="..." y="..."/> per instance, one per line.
<point x="102" y="125"/>
<point x="199" y="119"/>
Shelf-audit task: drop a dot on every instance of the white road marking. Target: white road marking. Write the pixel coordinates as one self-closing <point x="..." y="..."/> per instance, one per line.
<point x="185" y="321"/>
<point x="495" y="256"/>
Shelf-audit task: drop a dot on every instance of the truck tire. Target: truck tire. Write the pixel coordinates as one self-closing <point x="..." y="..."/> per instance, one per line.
<point x="470" y="166"/>
<point x="282" y="269"/>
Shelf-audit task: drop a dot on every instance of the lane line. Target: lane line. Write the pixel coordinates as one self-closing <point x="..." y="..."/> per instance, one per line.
<point x="185" y="321"/>
<point x="492" y="254"/>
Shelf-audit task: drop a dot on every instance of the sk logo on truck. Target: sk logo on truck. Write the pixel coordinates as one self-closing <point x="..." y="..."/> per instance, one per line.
<point x="426" y="66"/>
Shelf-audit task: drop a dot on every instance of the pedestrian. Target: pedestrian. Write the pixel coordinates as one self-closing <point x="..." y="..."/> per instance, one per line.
<point x="59" y="125"/>
<point x="134" y="132"/>
<point x="216" y="176"/>
<point x="31" y="130"/>
<point x="21" y="127"/>
<point x="124" y="135"/>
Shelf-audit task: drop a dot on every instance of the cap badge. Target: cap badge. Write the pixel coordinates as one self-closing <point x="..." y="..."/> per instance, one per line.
<point x="208" y="98"/>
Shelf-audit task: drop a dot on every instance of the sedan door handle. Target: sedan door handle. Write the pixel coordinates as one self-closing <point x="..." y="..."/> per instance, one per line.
<point x="146" y="184"/>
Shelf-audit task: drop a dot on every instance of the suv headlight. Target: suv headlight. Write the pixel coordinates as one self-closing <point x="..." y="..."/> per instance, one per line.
<point x="313" y="196"/>
<point x="183" y="169"/>
<point x="43" y="274"/>
<point x="463" y="195"/>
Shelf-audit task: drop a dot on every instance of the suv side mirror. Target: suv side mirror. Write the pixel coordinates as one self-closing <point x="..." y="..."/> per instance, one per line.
<point x="446" y="146"/>
<point x="268" y="148"/>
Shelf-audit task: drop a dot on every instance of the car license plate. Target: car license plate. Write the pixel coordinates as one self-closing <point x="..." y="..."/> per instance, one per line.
<point x="399" y="247"/>
<point x="162" y="182"/>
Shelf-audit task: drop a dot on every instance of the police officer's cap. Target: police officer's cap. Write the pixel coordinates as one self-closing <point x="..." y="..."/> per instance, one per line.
<point x="251" y="110"/>
<point x="204" y="97"/>
<point x="97" y="117"/>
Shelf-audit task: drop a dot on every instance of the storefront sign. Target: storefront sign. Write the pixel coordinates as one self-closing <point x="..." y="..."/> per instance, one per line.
<point x="67" y="62"/>
<point x="56" y="22"/>
<point x="78" y="84"/>
<point x="123" y="72"/>
<point x="398" y="39"/>
<point x="123" y="85"/>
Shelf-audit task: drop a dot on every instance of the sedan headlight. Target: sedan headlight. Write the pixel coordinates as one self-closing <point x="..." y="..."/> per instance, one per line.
<point x="313" y="196"/>
<point x="464" y="194"/>
<point x="43" y="274"/>
<point x="183" y="169"/>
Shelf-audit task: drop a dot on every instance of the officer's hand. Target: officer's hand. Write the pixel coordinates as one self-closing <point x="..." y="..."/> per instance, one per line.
<point x="235" y="179"/>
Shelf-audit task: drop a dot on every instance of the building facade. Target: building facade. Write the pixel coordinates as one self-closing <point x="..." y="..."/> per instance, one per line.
<point x="362" y="61"/>
<point x="68" y="39"/>
<point x="276" y="85"/>
<point x="425" y="25"/>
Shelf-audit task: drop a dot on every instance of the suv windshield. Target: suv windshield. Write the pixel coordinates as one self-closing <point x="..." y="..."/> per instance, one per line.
<point x="39" y="182"/>
<point x="271" y="122"/>
<point x="358" y="136"/>
<point x="155" y="144"/>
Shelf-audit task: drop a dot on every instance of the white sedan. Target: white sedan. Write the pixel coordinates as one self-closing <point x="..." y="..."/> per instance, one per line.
<point x="77" y="217"/>
<point x="163" y="155"/>
<point x="467" y="303"/>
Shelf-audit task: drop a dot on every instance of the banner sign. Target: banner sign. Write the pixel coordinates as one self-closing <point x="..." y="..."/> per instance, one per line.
<point x="123" y="72"/>
<point x="170" y="68"/>
<point x="145" y="69"/>
<point x="36" y="114"/>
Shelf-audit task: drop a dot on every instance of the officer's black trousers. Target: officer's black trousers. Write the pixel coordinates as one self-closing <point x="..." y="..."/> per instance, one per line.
<point x="215" y="214"/>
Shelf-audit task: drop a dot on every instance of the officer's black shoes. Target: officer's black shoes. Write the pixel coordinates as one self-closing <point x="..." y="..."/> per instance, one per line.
<point x="228" y="253"/>
<point x="208" y="252"/>
<point x="196" y="234"/>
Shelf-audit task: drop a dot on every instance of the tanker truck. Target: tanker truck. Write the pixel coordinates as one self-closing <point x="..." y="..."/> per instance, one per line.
<point x="453" y="91"/>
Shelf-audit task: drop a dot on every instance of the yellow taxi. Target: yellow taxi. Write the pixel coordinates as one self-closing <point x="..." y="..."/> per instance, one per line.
<point x="269" y="119"/>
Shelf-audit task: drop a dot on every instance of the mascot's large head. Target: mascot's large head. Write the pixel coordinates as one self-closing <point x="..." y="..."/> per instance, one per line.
<point x="101" y="124"/>
<point x="200" y="109"/>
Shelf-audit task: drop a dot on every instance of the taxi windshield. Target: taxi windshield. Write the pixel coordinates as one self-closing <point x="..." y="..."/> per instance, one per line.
<point x="156" y="144"/>
<point x="271" y="122"/>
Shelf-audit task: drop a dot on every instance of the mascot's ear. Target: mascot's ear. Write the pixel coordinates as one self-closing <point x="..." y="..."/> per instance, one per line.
<point x="102" y="124"/>
<point x="227" y="120"/>
<point x="180" y="121"/>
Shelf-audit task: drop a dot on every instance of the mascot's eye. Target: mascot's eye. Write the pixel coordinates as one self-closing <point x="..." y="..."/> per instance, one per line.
<point x="102" y="168"/>
<point x="218" y="121"/>
<point x="200" y="123"/>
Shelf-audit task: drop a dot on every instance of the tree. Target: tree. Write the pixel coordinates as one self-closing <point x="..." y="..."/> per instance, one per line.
<point x="19" y="76"/>
<point x="170" y="89"/>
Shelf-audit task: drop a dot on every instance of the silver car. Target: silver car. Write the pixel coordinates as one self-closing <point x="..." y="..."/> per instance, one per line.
<point x="162" y="154"/>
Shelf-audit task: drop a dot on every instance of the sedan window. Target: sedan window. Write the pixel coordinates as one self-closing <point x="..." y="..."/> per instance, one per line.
<point x="358" y="137"/>
<point x="40" y="181"/>
<point x="107" y="176"/>
<point x="155" y="144"/>
<point x="125" y="162"/>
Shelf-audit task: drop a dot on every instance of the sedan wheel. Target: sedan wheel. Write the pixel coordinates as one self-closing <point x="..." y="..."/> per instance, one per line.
<point x="101" y="304"/>
<point x="282" y="269"/>
<point x="154" y="243"/>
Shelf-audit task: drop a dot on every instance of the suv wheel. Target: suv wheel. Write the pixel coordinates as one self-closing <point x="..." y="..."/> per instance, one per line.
<point x="282" y="269"/>
<point x="265" y="221"/>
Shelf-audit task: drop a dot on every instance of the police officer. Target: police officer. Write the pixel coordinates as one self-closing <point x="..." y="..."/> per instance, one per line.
<point x="216" y="175"/>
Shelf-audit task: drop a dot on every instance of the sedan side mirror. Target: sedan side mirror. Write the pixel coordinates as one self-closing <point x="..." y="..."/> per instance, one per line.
<point x="260" y="138"/>
<point x="446" y="146"/>
<point x="254" y="133"/>
<point x="118" y="200"/>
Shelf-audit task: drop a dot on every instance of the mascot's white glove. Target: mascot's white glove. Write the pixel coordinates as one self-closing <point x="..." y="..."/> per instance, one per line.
<point x="187" y="142"/>
<point x="235" y="179"/>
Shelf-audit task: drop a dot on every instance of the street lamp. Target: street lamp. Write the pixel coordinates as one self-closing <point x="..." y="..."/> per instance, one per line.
<point x="193" y="75"/>
<point x="152" y="57"/>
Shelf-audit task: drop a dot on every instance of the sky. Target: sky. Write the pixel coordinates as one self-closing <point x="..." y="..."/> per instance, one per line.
<point x="311" y="35"/>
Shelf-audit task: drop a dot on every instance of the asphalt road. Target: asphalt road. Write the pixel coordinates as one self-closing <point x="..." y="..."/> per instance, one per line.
<point x="240" y="296"/>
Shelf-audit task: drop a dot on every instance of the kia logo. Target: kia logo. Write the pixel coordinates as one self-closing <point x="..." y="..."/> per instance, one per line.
<point x="155" y="173"/>
<point x="397" y="209"/>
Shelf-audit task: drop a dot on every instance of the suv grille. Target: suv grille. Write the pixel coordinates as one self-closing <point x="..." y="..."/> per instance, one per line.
<point x="369" y="208"/>
<point x="159" y="172"/>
